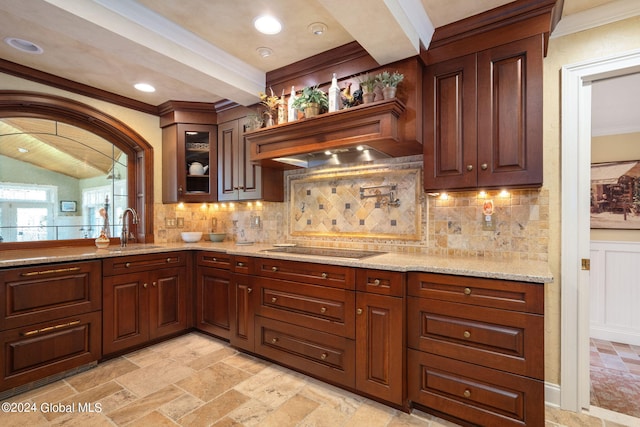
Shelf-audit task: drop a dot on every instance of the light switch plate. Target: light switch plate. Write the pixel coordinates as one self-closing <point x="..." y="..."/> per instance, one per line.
<point x="180" y="222"/>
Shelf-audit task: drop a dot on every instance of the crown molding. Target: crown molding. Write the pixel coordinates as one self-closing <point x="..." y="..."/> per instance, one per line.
<point x="601" y="15"/>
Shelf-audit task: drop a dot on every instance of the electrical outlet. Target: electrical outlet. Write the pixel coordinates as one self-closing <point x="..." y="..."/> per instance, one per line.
<point x="255" y="221"/>
<point x="170" y="223"/>
<point x="180" y="222"/>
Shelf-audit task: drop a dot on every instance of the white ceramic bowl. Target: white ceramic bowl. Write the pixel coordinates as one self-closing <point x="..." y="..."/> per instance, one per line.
<point x="191" y="236"/>
<point x="217" y="237"/>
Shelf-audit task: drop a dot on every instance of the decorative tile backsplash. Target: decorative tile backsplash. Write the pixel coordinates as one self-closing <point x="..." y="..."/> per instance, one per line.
<point x="323" y="207"/>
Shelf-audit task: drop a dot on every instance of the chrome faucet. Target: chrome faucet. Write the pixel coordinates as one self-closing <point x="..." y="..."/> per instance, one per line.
<point x="126" y="234"/>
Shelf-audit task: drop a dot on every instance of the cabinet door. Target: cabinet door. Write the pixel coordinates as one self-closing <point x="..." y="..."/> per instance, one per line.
<point x="510" y="114"/>
<point x="125" y="311"/>
<point x="450" y="124"/>
<point x="167" y="295"/>
<point x="214" y="301"/>
<point x="228" y="154"/>
<point x="182" y="146"/>
<point x="242" y="311"/>
<point x="380" y="349"/>
<point x="249" y="173"/>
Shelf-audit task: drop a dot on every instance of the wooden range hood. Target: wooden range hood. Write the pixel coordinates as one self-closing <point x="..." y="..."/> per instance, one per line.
<point x="377" y="126"/>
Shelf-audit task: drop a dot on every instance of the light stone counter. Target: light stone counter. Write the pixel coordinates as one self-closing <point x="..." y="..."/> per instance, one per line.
<point x="526" y="271"/>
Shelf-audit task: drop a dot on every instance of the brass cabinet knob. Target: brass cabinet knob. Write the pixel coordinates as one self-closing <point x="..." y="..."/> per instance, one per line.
<point x="467" y="393"/>
<point x="359" y="311"/>
<point x="144" y="285"/>
<point x="180" y="190"/>
<point x="240" y="264"/>
<point x="467" y="291"/>
<point x="214" y="259"/>
<point x="249" y="290"/>
<point x="274" y="268"/>
<point x="484" y="166"/>
<point x="323" y="310"/>
<point x="274" y="340"/>
<point x="469" y="168"/>
<point x="323" y="356"/>
<point x="127" y="264"/>
<point x="154" y="284"/>
<point x="168" y="260"/>
<point x="325" y="275"/>
<point x="467" y="334"/>
<point x="376" y="282"/>
<point x="274" y="299"/>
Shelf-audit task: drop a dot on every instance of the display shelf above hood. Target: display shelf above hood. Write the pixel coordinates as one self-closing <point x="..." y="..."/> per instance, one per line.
<point x="378" y="126"/>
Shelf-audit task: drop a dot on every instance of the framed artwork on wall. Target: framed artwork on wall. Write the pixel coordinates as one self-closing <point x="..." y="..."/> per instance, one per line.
<point x="615" y="195"/>
<point x="68" y="206"/>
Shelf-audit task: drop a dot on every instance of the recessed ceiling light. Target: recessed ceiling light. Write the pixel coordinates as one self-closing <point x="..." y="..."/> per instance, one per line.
<point x="144" y="87"/>
<point x="267" y="24"/>
<point x="23" y="45"/>
<point x="23" y="150"/>
<point x="264" y="52"/>
<point x="317" y="28"/>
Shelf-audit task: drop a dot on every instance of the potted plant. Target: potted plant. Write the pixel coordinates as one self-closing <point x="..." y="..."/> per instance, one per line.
<point x="271" y="102"/>
<point x="368" y="85"/>
<point x="389" y="82"/>
<point x="312" y="101"/>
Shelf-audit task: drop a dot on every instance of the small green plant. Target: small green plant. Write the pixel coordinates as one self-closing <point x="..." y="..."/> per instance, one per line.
<point x="310" y="95"/>
<point x="367" y="83"/>
<point x="387" y="79"/>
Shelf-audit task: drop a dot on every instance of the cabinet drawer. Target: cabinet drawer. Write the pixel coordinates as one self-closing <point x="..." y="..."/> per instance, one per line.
<point x="136" y="263"/>
<point x="214" y="259"/>
<point x="241" y="264"/>
<point x="327" y="356"/>
<point x="504" y="294"/>
<point x="478" y="395"/>
<point x="318" y="307"/>
<point x="381" y="282"/>
<point x="48" y="292"/>
<point x="37" y="351"/>
<point x="306" y="272"/>
<point x="500" y="339"/>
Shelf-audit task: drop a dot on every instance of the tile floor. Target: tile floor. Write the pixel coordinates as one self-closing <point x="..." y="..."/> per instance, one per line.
<point x="615" y="377"/>
<point x="196" y="380"/>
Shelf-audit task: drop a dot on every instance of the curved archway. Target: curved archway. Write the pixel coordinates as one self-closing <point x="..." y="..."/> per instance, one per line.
<point x="140" y="152"/>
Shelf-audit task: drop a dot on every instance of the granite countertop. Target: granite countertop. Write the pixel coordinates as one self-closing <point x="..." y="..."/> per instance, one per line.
<point x="526" y="271"/>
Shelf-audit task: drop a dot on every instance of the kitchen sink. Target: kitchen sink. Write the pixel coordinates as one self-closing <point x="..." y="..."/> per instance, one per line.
<point x="326" y="252"/>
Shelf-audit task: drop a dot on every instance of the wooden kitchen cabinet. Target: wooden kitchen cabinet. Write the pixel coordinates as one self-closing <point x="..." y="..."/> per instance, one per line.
<point x="242" y="305"/>
<point x="145" y="297"/>
<point x="476" y="348"/>
<point x="50" y="320"/>
<point x="213" y="293"/>
<point x="483" y="118"/>
<point x="182" y="146"/>
<point x="380" y="334"/>
<point x="238" y="177"/>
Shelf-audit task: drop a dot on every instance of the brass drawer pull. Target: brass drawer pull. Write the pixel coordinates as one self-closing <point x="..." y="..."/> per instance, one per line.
<point x="376" y="282"/>
<point x="145" y="285"/>
<point x="154" y="284"/>
<point x="467" y="334"/>
<point x="323" y="310"/>
<point x="274" y="299"/>
<point x="240" y="264"/>
<point x="323" y="356"/>
<point x="467" y="291"/>
<point x="50" y="328"/>
<point x="52" y="271"/>
<point x="325" y="275"/>
<point x="249" y="290"/>
<point x="169" y="260"/>
<point x="127" y="264"/>
<point x="359" y="311"/>
<point x="467" y="393"/>
<point x="274" y="268"/>
<point x="274" y="340"/>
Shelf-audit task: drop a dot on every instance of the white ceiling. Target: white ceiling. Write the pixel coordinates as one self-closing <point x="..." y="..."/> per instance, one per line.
<point x="205" y="50"/>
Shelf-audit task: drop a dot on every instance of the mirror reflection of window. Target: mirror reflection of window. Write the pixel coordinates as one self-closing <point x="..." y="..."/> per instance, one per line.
<point x="58" y="182"/>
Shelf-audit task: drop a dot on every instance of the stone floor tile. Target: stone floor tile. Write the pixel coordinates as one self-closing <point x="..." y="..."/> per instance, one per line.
<point x="141" y="407"/>
<point x="213" y="381"/>
<point x="214" y="410"/>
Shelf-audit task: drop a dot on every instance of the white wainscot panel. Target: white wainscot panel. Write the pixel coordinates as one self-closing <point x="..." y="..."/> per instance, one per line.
<point x="615" y="291"/>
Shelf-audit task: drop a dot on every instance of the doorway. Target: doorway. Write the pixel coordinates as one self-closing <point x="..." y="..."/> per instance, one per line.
<point x="575" y="247"/>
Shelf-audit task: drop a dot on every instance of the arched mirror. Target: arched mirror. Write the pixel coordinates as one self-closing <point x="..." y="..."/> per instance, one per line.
<point x="66" y="176"/>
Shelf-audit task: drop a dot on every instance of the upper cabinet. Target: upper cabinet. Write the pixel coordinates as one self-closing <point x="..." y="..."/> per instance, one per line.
<point x="483" y="118"/>
<point x="238" y="177"/>
<point x="189" y="142"/>
<point x="483" y="99"/>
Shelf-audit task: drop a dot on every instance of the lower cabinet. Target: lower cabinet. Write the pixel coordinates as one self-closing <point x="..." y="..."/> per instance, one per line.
<point x="242" y="305"/>
<point x="146" y="304"/>
<point x="213" y="293"/>
<point x="50" y="321"/>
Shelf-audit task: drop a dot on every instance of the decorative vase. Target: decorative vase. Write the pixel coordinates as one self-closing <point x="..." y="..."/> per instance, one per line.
<point x="311" y="110"/>
<point x="269" y="122"/>
<point x="389" y="92"/>
<point x="368" y="97"/>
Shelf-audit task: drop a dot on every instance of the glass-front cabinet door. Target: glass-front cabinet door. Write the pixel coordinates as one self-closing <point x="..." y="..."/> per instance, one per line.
<point x="189" y="163"/>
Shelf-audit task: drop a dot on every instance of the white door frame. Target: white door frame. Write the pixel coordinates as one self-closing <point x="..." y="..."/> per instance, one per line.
<point x="575" y="235"/>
